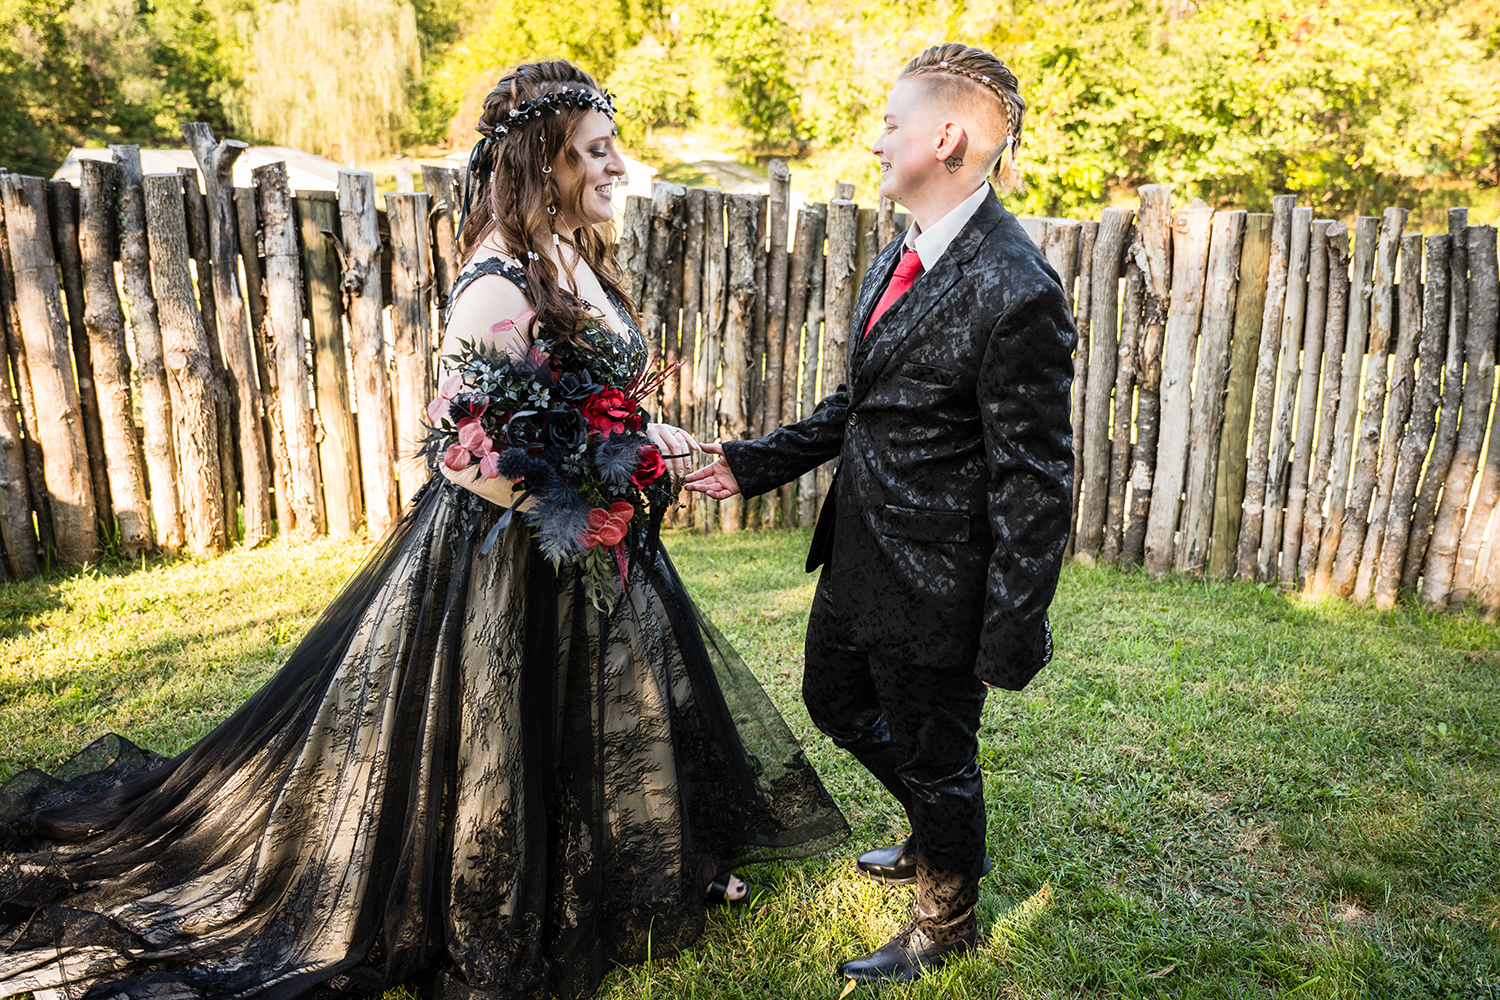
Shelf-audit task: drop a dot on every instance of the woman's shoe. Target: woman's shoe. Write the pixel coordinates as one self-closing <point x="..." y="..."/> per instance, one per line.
<point x="724" y="883"/>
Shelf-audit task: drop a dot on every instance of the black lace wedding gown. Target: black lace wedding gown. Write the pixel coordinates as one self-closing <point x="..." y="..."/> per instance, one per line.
<point x="465" y="777"/>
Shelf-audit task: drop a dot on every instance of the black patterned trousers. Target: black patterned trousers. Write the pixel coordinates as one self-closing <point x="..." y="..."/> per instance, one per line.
<point x="914" y="726"/>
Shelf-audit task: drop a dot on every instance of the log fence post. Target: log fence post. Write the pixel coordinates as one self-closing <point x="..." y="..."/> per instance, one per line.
<point x="1293" y="316"/>
<point x="715" y="272"/>
<point x="288" y="350"/>
<point x="1190" y="245"/>
<point x="248" y="229"/>
<point x="1079" y="409"/>
<point x="190" y="375"/>
<point x="365" y="306"/>
<point x="812" y="363"/>
<point x="441" y="186"/>
<point x="838" y="307"/>
<point x="1319" y="481"/>
<point x="630" y="250"/>
<point x="742" y="229"/>
<point x="1153" y="255"/>
<point x="411" y="335"/>
<point x="104" y="323"/>
<point x="1132" y="300"/>
<point x="145" y="326"/>
<point x="1206" y="420"/>
<point x="1112" y="238"/>
<point x="1307" y="399"/>
<point x="807" y="243"/>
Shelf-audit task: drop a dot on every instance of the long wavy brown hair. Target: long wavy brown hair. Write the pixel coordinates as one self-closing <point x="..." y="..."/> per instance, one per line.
<point x="512" y="193"/>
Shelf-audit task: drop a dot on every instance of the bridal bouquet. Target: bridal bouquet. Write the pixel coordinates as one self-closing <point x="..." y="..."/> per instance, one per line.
<point x="565" y="426"/>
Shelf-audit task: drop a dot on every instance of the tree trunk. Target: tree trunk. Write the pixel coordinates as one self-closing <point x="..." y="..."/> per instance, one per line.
<point x="1190" y="241"/>
<point x="145" y="326"/>
<point x="44" y="330"/>
<point x="1307" y="399"/>
<point x="838" y="307"/>
<point x="1278" y="461"/>
<point x="1079" y="411"/>
<point x="807" y="243"/>
<point x="1445" y="437"/>
<point x="1433" y="302"/>
<point x="195" y="211"/>
<point x="248" y="228"/>
<point x="1366" y="229"/>
<point x="1153" y="254"/>
<point x="1207" y="415"/>
<point x="808" y="497"/>
<point x="442" y="199"/>
<point x="216" y="161"/>
<point x="715" y="263"/>
<point x="105" y="325"/>
<point x="1367" y="447"/>
<point x="1441" y="574"/>
<point x="62" y="211"/>
<point x="1119" y="456"/>
<point x="365" y="306"/>
<point x="1337" y="237"/>
<point x="1244" y="349"/>
<point x="1397" y="409"/>
<point x="1482" y="309"/>
<point x="1104" y="347"/>
<point x="411" y="333"/>
<point x="777" y="322"/>
<point x="1247" y="554"/>
<point x="634" y="240"/>
<point x="189" y="374"/>
<point x="744" y="240"/>
<point x="289" y="349"/>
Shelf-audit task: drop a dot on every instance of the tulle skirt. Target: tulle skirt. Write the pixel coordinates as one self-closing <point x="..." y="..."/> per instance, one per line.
<point x="465" y="776"/>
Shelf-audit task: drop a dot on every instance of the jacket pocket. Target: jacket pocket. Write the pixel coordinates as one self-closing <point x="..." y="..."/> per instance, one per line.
<point x="928" y="374"/>
<point x="924" y="525"/>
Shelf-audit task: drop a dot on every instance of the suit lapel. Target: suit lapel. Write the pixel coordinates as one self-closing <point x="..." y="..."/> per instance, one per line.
<point x="873" y="352"/>
<point x="876" y="278"/>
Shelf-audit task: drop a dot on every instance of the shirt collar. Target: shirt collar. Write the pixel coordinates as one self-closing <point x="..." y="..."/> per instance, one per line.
<point x="932" y="242"/>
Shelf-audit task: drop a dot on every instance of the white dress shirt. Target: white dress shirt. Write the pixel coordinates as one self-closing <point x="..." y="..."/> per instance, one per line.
<point x="932" y="242"/>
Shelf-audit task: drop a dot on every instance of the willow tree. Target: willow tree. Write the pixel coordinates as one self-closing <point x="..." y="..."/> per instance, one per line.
<point x="332" y="76"/>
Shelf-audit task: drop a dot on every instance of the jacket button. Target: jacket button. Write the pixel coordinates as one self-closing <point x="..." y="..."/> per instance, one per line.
<point x="853" y="419"/>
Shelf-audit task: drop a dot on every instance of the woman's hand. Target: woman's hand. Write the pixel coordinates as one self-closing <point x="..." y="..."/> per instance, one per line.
<point x="676" y="446"/>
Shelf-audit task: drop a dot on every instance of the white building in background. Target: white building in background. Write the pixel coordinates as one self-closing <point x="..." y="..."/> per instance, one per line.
<point x="306" y="171"/>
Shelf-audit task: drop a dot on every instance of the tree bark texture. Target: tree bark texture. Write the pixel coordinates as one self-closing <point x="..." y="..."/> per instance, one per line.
<point x="1445" y="436"/>
<point x="442" y="200"/>
<point x="839" y="289"/>
<point x="365" y="305"/>
<point x="62" y="212"/>
<point x="1078" y="410"/>
<point x="1152" y="250"/>
<point x="1191" y="229"/>
<point x="715" y="276"/>
<point x="216" y="162"/>
<point x="1426" y="392"/>
<point x="16" y="466"/>
<point x="1307" y="399"/>
<point x="248" y="219"/>
<point x="189" y="372"/>
<point x="411" y="332"/>
<point x="1293" y="315"/>
<point x="807" y="484"/>
<point x="778" y="265"/>
<point x="1119" y="456"/>
<point x="1406" y="311"/>
<point x="1104" y="347"/>
<point x="806" y="244"/>
<point x="156" y="399"/>
<point x="1247" y="555"/>
<point x="634" y="240"/>
<point x="1207" y="416"/>
<point x="742" y="228"/>
<point x="104" y="322"/>
<point x="288" y="349"/>
<point x="1337" y="237"/>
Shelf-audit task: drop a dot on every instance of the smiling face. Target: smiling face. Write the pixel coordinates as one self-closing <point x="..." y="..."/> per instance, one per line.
<point x="586" y="179"/>
<point x="909" y="144"/>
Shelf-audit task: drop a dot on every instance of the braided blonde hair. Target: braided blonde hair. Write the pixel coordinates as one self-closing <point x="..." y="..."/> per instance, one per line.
<point x="961" y="72"/>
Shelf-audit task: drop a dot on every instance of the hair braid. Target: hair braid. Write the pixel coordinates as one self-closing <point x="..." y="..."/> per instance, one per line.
<point x="992" y="77"/>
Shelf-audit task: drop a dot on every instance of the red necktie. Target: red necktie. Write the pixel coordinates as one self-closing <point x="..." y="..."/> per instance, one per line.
<point x="907" y="269"/>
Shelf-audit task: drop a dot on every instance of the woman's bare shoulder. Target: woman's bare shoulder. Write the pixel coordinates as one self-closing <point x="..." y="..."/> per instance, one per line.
<point x="484" y="302"/>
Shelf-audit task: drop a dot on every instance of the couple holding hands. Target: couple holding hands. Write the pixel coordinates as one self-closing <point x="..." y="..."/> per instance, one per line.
<point x="471" y="777"/>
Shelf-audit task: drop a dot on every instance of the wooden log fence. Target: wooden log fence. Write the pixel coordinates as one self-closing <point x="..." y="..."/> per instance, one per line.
<point x="1267" y="397"/>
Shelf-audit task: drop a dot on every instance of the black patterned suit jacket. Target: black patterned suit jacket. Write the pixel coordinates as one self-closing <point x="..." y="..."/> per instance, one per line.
<point x="944" y="533"/>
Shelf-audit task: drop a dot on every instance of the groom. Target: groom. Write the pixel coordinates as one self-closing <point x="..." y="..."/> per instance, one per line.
<point x="942" y="537"/>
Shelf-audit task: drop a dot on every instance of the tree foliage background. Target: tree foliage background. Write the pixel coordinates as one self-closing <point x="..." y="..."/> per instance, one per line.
<point x="1353" y="103"/>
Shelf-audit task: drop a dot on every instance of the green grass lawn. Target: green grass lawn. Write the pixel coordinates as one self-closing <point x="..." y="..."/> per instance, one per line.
<point x="1214" y="791"/>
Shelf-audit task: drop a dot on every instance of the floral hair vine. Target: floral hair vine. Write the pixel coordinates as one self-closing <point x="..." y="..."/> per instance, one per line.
<point x="529" y="111"/>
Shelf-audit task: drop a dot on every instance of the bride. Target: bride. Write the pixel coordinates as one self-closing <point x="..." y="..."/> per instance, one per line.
<point x="465" y="777"/>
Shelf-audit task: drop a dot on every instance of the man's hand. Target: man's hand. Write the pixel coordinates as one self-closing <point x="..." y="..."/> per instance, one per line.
<point x="716" y="480"/>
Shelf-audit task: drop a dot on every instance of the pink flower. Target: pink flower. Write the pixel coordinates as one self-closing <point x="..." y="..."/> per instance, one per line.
<point x="606" y="527"/>
<point x="489" y="465"/>
<point x="509" y="325"/>
<point x="456" y="457"/>
<point x="471" y="435"/>
<point x="438" y="409"/>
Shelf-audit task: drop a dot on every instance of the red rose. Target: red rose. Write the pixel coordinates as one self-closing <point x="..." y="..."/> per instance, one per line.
<point x="637" y="418"/>
<point x="651" y="467"/>
<point x="606" y="411"/>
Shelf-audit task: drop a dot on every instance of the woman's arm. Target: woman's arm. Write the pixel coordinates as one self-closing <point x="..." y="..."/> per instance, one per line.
<point x="478" y="317"/>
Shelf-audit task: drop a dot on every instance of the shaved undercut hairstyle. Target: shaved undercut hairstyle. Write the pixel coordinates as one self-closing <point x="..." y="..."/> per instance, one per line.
<point x="978" y="83"/>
